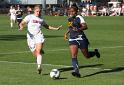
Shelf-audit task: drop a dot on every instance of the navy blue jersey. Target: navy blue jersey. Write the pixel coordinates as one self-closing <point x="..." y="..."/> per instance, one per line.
<point x="75" y="22"/>
<point x="19" y="14"/>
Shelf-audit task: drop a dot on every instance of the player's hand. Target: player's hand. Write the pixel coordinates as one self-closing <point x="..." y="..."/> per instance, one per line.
<point x="59" y="27"/>
<point x="65" y="36"/>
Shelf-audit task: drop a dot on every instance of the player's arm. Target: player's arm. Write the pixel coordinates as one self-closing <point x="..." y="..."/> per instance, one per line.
<point x="66" y="35"/>
<point x="16" y="13"/>
<point x="83" y="26"/>
<point x="22" y="24"/>
<point x="50" y="27"/>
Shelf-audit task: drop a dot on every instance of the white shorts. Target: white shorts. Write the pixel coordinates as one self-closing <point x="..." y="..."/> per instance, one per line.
<point x="33" y="40"/>
<point x="13" y="17"/>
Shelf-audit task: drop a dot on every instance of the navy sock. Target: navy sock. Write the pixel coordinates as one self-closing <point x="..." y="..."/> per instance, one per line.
<point x="75" y="65"/>
<point x="92" y="54"/>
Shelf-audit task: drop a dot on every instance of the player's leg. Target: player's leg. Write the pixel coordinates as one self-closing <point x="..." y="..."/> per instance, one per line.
<point x="18" y="22"/>
<point x="38" y="54"/>
<point x="90" y="54"/>
<point x="83" y="45"/>
<point x="39" y="40"/>
<point x="74" y="52"/>
<point x="35" y="51"/>
<point x="87" y="54"/>
<point x="11" y="22"/>
<point x="123" y="11"/>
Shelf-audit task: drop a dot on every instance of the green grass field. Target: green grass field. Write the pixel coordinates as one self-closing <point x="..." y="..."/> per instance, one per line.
<point x="17" y="63"/>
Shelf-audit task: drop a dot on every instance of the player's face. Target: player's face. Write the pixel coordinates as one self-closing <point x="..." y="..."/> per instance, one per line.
<point x="37" y="12"/>
<point x="72" y="12"/>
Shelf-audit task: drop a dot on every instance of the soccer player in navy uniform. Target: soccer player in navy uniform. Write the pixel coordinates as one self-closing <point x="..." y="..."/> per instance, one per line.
<point x="77" y="39"/>
<point x="19" y="14"/>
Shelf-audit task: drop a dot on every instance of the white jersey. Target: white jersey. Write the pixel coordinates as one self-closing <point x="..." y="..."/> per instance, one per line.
<point x="34" y="34"/>
<point x="34" y="23"/>
<point x="12" y="13"/>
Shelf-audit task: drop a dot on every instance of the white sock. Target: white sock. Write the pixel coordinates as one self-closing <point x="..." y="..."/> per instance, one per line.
<point x="39" y="61"/>
<point x="11" y="24"/>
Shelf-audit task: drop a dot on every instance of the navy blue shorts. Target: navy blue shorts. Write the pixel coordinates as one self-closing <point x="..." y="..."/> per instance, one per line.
<point x="19" y="20"/>
<point x="80" y="43"/>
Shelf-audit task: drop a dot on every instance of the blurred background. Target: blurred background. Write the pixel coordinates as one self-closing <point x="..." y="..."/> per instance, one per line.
<point x="60" y="7"/>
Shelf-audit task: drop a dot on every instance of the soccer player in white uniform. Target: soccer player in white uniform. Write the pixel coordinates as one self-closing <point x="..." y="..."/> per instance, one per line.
<point x="12" y="12"/>
<point x="35" y="37"/>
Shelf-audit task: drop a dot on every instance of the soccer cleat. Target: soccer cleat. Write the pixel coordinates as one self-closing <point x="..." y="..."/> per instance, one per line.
<point x="39" y="70"/>
<point x="97" y="53"/>
<point x="75" y="74"/>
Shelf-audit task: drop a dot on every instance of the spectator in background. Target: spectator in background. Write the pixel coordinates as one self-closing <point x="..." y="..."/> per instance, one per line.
<point x="119" y="9"/>
<point x="122" y="7"/>
<point x="116" y="10"/>
<point x="103" y="11"/>
<point x="93" y="10"/>
<point x="84" y="10"/>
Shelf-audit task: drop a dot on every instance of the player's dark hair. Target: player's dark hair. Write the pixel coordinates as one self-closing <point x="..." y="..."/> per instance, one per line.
<point x="74" y="6"/>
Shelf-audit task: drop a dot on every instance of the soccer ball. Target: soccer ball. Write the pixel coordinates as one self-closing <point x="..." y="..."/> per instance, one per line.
<point x="55" y="74"/>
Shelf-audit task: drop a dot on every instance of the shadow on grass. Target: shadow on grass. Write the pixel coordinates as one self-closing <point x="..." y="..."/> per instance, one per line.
<point x="12" y="37"/>
<point x="53" y="36"/>
<point x="117" y="69"/>
<point x="70" y="68"/>
<point x="20" y="37"/>
<point x="60" y="79"/>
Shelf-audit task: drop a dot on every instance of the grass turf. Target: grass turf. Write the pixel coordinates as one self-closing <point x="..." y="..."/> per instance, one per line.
<point x="105" y="33"/>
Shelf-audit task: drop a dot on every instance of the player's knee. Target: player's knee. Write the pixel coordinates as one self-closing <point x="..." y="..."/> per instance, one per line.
<point x="37" y="52"/>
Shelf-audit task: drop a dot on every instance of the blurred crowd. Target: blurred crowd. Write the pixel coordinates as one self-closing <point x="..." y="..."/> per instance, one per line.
<point x="86" y="8"/>
<point x="89" y="8"/>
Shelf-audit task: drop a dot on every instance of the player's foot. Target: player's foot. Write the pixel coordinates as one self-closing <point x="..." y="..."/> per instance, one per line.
<point x="39" y="70"/>
<point x="75" y="74"/>
<point x="97" y="53"/>
<point x="19" y="29"/>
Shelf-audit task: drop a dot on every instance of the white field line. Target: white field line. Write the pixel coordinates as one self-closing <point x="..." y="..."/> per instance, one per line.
<point x="112" y="47"/>
<point x="33" y="63"/>
<point x="14" y="52"/>
<point x="50" y="65"/>
<point x="59" y="50"/>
